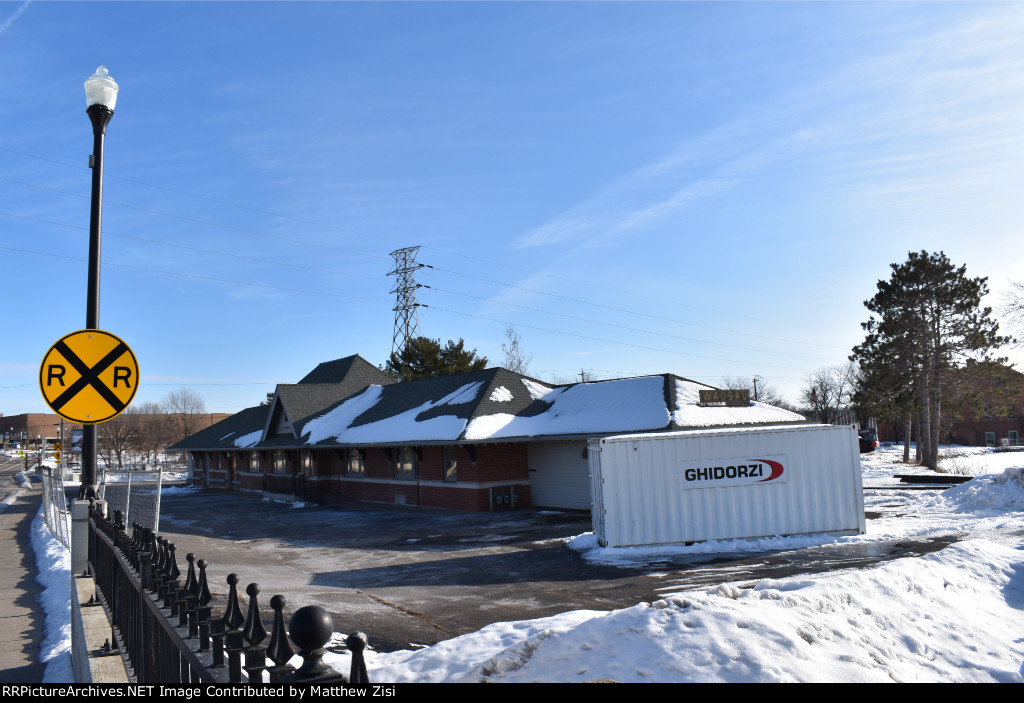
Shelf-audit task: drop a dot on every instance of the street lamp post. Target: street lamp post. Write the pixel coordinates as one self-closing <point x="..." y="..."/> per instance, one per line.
<point x="100" y="98"/>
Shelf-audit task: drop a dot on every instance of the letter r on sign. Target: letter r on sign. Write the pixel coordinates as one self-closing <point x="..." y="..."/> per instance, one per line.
<point x="52" y="373"/>
<point x="121" y="373"/>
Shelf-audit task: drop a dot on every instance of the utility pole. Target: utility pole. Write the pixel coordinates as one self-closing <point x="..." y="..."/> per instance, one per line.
<point x="407" y="323"/>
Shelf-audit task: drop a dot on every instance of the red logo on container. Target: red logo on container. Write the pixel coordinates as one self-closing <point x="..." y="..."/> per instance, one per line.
<point x="776" y="469"/>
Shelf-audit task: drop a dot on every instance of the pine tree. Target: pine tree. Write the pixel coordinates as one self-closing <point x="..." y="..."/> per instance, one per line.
<point x="423" y="357"/>
<point x="928" y="320"/>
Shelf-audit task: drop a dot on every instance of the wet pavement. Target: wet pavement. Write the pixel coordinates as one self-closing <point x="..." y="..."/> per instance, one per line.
<point x="410" y="577"/>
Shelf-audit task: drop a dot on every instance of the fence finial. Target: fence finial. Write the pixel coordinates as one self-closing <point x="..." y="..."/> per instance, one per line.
<point x="311" y="628"/>
<point x="279" y="649"/>
<point x="254" y="631"/>
<point x="233" y="617"/>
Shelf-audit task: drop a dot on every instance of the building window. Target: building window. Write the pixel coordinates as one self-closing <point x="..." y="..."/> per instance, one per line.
<point x="990" y="439"/>
<point x="1012" y="436"/>
<point x="451" y="464"/>
<point x="309" y="463"/>
<point x="254" y="461"/>
<point x="405" y="463"/>
<point x="356" y="463"/>
<point x="280" y="461"/>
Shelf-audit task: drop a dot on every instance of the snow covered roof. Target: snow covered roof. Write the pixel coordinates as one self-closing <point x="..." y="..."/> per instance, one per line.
<point x="480" y="406"/>
<point x="227" y="433"/>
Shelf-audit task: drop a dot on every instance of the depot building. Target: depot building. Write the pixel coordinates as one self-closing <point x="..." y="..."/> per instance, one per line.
<point x="483" y="440"/>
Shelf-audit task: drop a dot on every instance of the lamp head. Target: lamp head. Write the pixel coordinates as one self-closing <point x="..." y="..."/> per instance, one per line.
<point x="100" y="89"/>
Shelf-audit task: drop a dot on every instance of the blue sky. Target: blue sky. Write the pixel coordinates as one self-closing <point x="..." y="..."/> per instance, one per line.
<point x="710" y="189"/>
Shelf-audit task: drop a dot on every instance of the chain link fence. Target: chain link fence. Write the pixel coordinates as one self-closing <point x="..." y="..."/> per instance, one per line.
<point x="55" y="505"/>
<point x="136" y="493"/>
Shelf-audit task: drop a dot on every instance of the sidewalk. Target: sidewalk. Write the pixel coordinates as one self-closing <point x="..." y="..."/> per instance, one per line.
<point x="21" y="616"/>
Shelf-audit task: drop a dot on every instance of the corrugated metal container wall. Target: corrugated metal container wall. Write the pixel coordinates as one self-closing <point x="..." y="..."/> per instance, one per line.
<point x="645" y="494"/>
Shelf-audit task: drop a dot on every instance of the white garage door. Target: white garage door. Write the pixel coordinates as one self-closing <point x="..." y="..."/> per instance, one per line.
<point x="559" y="474"/>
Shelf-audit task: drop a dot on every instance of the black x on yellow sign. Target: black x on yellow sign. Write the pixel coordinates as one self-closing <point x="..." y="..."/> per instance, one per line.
<point x="89" y="376"/>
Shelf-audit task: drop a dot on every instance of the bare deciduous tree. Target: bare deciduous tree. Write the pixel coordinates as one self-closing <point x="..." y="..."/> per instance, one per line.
<point x="185" y="409"/>
<point x="828" y="390"/>
<point x="515" y="358"/>
<point x="760" y="390"/>
<point x="116" y="437"/>
<point x="559" y="378"/>
<point x="1013" y="308"/>
<point x="154" y="430"/>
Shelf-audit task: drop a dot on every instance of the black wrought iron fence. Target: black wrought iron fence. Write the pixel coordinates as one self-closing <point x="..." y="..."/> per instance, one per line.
<point x="167" y="631"/>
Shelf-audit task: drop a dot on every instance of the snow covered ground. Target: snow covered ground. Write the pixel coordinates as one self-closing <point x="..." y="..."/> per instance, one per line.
<point x="954" y="615"/>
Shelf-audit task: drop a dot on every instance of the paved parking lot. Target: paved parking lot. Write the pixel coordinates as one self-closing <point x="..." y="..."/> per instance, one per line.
<point x="409" y="576"/>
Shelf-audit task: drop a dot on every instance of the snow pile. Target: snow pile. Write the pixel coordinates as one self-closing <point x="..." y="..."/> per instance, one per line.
<point x="988" y="494"/>
<point x="950" y="616"/>
<point x="53" y="566"/>
<point x="587" y="544"/>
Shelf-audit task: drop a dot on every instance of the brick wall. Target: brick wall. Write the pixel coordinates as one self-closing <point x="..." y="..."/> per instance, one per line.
<point x="498" y="467"/>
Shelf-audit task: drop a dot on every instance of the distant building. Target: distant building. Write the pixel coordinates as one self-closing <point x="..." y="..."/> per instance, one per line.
<point x="47" y="426"/>
<point x="1000" y="392"/>
<point x="482" y="440"/>
<point x="32" y="426"/>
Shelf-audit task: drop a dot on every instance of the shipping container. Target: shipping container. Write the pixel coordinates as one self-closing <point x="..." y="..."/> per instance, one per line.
<point x="690" y="486"/>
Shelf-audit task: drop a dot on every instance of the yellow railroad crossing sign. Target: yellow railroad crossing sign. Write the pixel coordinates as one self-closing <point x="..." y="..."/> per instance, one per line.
<point x="89" y="376"/>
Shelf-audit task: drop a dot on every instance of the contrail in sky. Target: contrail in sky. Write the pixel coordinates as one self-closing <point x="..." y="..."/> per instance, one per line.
<point x="16" y="15"/>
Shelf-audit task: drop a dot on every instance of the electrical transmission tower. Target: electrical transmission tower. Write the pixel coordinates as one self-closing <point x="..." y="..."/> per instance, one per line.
<point x="407" y="322"/>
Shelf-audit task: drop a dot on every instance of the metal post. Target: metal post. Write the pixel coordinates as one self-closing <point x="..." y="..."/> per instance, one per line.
<point x="100" y="116"/>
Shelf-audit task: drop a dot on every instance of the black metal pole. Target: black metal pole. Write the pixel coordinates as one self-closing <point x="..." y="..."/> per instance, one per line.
<point x="100" y="116"/>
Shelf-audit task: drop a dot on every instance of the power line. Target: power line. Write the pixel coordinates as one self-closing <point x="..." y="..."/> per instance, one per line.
<point x="406" y="320"/>
<point x="612" y="341"/>
<point x="602" y="287"/>
<point x="194" y="275"/>
<point x="624" y="327"/>
<point x="108" y="233"/>
<point x="457" y="312"/>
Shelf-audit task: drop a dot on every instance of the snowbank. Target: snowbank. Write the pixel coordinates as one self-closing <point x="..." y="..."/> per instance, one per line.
<point x="950" y="616"/>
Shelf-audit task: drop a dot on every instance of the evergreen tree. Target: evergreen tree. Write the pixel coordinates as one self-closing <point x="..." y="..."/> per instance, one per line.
<point x="927" y="319"/>
<point x="423" y="357"/>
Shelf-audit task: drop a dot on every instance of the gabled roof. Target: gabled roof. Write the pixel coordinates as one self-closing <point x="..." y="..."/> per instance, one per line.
<point x="351" y="369"/>
<point x="321" y="388"/>
<point x="246" y="425"/>
<point x="481" y="406"/>
<point x="498" y="405"/>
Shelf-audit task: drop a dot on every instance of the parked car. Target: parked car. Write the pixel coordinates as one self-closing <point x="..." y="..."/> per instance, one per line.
<point x="868" y="440"/>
